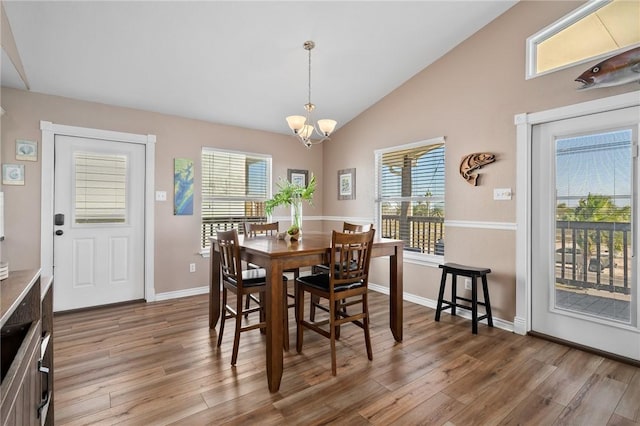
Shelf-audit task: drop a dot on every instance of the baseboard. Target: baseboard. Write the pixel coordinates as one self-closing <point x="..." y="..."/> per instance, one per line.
<point x="430" y="303"/>
<point x="182" y="293"/>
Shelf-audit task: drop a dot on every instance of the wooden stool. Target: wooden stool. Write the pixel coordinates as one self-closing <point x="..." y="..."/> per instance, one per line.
<point x="465" y="271"/>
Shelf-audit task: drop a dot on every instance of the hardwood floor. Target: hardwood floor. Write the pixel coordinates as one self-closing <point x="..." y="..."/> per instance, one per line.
<point x="157" y="363"/>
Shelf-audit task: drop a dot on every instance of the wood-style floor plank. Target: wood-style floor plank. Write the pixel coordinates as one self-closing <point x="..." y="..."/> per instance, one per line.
<point x="158" y="364"/>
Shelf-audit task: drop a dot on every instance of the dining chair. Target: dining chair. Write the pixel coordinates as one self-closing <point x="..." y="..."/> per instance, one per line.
<point x="351" y="255"/>
<point x="324" y="268"/>
<point x="243" y="283"/>
<point x="271" y="230"/>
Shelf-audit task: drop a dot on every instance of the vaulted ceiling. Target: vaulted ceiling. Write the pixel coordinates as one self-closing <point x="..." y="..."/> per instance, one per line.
<point x="239" y="63"/>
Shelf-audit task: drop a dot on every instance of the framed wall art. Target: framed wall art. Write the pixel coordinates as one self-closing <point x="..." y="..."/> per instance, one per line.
<point x="182" y="187"/>
<point x="347" y="184"/>
<point x="298" y="177"/>
<point x="26" y="150"/>
<point x="13" y="174"/>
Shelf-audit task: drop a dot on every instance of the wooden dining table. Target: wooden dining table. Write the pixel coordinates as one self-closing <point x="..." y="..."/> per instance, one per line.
<point x="275" y="256"/>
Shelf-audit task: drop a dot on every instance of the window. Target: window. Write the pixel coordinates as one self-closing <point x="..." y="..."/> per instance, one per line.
<point x="100" y="188"/>
<point x="410" y="195"/>
<point x="599" y="29"/>
<point x="235" y="186"/>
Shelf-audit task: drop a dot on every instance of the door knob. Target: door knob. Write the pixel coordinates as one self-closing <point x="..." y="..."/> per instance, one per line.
<point x="59" y="232"/>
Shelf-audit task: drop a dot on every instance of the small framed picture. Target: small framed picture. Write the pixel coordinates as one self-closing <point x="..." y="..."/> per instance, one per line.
<point x="26" y="150"/>
<point x="298" y="177"/>
<point x="347" y="184"/>
<point x="13" y="174"/>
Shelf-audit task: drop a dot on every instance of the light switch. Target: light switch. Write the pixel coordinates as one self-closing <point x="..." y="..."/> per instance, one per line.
<point x="161" y="195"/>
<point x="502" y="194"/>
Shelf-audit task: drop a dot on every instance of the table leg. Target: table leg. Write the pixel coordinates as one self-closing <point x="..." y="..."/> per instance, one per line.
<point x="275" y="327"/>
<point x="214" y="288"/>
<point x="396" y="290"/>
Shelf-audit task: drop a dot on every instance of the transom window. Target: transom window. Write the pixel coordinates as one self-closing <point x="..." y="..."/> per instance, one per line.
<point x="598" y="29"/>
<point x="410" y="195"/>
<point x="235" y="186"/>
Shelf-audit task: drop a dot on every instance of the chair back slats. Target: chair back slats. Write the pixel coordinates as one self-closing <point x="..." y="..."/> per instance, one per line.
<point x="230" y="263"/>
<point x="351" y="254"/>
<point x="254" y="229"/>
<point x="350" y="228"/>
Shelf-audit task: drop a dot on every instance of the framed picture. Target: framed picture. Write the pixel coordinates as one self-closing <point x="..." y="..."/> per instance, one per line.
<point x="26" y="150"/>
<point x="13" y="174"/>
<point x="298" y="177"/>
<point x="182" y="186"/>
<point x="347" y="184"/>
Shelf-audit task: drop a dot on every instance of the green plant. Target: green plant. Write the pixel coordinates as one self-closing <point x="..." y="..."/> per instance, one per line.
<point x="290" y="192"/>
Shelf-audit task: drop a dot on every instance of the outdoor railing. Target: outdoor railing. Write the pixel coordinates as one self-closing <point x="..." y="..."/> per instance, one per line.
<point x="423" y="234"/>
<point x="212" y="224"/>
<point x="593" y="255"/>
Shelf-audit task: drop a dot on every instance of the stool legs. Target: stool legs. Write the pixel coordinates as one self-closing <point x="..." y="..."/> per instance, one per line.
<point x="454" y="293"/>
<point x="443" y="282"/>
<point x="474" y="305"/>
<point x="487" y="303"/>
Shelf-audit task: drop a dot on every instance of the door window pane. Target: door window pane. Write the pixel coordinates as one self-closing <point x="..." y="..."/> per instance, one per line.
<point x="100" y="188"/>
<point x="593" y="264"/>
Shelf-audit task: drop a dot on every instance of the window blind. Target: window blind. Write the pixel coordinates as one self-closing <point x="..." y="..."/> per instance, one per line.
<point x="410" y="195"/>
<point x="100" y="188"/>
<point x="235" y="186"/>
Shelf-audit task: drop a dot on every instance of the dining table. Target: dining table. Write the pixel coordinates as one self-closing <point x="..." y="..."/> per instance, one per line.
<point x="276" y="255"/>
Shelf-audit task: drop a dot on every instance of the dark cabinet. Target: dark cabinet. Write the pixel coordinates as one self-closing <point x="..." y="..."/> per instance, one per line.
<point x="26" y="342"/>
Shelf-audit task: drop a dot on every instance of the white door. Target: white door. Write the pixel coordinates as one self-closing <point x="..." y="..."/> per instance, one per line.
<point x="98" y="222"/>
<point x="585" y="231"/>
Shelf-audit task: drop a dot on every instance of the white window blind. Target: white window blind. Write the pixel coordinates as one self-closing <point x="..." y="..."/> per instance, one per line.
<point x="235" y="186"/>
<point x="100" y="188"/>
<point x="410" y="195"/>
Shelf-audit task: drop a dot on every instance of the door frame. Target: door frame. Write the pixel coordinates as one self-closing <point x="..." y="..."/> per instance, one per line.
<point x="49" y="132"/>
<point x="524" y="123"/>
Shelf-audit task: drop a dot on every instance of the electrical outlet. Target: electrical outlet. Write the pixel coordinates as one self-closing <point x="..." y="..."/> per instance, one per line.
<point x="467" y="283"/>
<point x="192" y="267"/>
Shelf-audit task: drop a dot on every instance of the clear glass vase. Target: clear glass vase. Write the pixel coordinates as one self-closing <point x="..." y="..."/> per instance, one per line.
<point x="296" y="213"/>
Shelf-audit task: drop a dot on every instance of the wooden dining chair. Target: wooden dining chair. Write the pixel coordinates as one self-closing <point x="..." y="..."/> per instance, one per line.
<point x="271" y="230"/>
<point x="324" y="268"/>
<point x="345" y="285"/>
<point x="241" y="282"/>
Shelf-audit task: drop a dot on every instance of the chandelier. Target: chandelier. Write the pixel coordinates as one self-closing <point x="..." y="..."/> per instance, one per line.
<point x="302" y="125"/>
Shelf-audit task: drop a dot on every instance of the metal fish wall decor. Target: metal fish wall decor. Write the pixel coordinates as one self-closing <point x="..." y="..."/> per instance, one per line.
<point x="474" y="162"/>
<point x="619" y="69"/>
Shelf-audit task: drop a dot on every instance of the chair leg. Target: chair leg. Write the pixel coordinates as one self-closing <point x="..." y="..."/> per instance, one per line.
<point x="332" y="337"/>
<point x="223" y="315"/>
<point x="299" y="316"/>
<point x="236" y="337"/>
<point x="312" y="307"/>
<point x="365" y="326"/>
<point x="285" y="317"/>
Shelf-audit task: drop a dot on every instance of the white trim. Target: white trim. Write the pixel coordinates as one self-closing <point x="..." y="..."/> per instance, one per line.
<point x="49" y="131"/>
<point x="501" y="226"/>
<point x="421" y="143"/>
<point x="524" y="123"/>
<point x="182" y="293"/>
<point x="350" y="219"/>
<point x="550" y="30"/>
<point x="430" y="303"/>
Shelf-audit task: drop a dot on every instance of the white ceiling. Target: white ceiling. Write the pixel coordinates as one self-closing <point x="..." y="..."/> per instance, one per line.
<point x="239" y="63"/>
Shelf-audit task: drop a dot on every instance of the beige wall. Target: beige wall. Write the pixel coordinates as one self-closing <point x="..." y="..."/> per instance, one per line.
<point x="176" y="237"/>
<point x="470" y="96"/>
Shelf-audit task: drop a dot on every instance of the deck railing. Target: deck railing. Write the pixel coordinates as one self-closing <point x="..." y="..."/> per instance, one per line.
<point x="423" y="234"/>
<point x="594" y="255"/>
<point x="211" y="224"/>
